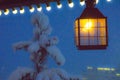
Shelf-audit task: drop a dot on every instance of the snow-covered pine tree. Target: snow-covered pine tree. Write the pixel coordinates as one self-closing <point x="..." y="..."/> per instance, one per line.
<point x="40" y="47"/>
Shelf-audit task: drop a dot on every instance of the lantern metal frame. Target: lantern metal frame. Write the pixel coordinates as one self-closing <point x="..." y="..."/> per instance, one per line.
<point x="90" y="12"/>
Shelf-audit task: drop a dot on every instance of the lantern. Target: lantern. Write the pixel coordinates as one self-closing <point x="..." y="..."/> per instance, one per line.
<point x="91" y="28"/>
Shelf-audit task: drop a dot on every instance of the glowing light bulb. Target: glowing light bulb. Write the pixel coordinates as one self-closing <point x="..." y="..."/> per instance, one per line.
<point x="14" y="11"/>
<point x="97" y="1"/>
<point x="109" y="0"/>
<point x="0" y="12"/>
<point x="6" y="12"/>
<point x="71" y="5"/>
<point x="88" y="25"/>
<point x="22" y="10"/>
<point x="82" y="3"/>
<point x="48" y="8"/>
<point x="32" y="9"/>
<point x="39" y="9"/>
<point x="59" y="6"/>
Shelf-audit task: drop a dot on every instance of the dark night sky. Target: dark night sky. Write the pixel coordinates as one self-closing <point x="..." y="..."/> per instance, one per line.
<point x="15" y="28"/>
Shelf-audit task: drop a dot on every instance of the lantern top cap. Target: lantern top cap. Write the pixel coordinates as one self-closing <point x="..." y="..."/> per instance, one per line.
<point x="90" y="3"/>
<point x="91" y="13"/>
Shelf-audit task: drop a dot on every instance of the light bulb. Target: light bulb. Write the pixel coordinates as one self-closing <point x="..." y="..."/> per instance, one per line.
<point x="14" y="11"/>
<point x="39" y="9"/>
<point x="32" y="9"/>
<point x="109" y="0"/>
<point x="48" y="8"/>
<point x="82" y="3"/>
<point x="71" y="4"/>
<point x="22" y="10"/>
<point x="0" y="12"/>
<point x="59" y="6"/>
<point x="6" y="11"/>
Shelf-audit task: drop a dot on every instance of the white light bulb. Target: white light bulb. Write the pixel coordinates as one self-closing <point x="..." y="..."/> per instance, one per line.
<point x="109" y="0"/>
<point x="32" y="9"/>
<point x="22" y="11"/>
<point x="59" y="6"/>
<point x="48" y="8"/>
<point x="0" y="12"/>
<point x="82" y="3"/>
<point x="97" y="1"/>
<point x="39" y="9"/>
<point x="71" y="4"/>
<point x="6" y="12"/>
<point x="14" y="11"/>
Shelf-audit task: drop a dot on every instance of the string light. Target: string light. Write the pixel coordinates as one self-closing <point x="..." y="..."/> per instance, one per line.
<point x="14" y="11"/>
<point x="109" y="0"/>
<point x="82" y="3"/>
<point x="48" y="8"/>
<point x="6" y="11"/>
<point x="71" y="5"/>
<point x="59" y="5"/>
<point x="0" y="12"/>
<point x="39" y="8"/>
<point x="22" y="10"/>
<point x="32" y="9"/>
<point x="97" y="1"/>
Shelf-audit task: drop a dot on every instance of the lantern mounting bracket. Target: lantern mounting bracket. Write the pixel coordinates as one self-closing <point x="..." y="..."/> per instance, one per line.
<point x="90" y="3"/>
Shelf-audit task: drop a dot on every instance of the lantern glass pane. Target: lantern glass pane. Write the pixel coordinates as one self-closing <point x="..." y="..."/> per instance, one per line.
<point x="84" y="41"/>
<point x="102" y="32"/>
<point x="76" y="32"/>
<point x="83" y="32"/>
<point x="92" y="31"/>
<point x="93" y="41"/>
<point x="102" y="41"/>
<point x="102" y="22"/>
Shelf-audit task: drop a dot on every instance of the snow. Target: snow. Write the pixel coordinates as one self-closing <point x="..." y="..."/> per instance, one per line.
<point x="21" y="45"/>
<point x="19" y="72"/>
<point x="54" y="40"/>
<point x="39" y="48"/>
<point x="56" y="54"/>
<point x="34" y="47"/>
<point x="56" y="74"/>
<point x="40" y="20"/>
<point x="53" y="74"/>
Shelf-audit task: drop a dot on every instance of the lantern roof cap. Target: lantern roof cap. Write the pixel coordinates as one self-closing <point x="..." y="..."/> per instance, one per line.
<point x="91" y="13"/>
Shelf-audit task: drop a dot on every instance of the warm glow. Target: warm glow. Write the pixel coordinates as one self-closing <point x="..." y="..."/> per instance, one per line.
<point x="48" y="8"/>
<point x="82" y="3"/>
<point x="14" y="11"/>
<point x="91" y="32"/>
<point x="105" y="69"/>
<point x="88" y="25"/>
<point x="59" y="6"/>
<point x="6" y="12"/>
<point x="22" y="10"/>
<point x="71" y="4"/>
<point x="0" y="12"/>
<point x="32" y="9"/>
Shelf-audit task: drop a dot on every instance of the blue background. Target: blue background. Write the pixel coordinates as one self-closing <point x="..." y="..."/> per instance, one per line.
<point x="15" y="28"/>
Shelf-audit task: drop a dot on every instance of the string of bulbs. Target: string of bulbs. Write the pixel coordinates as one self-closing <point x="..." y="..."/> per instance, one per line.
<point x="17" y="6"/>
